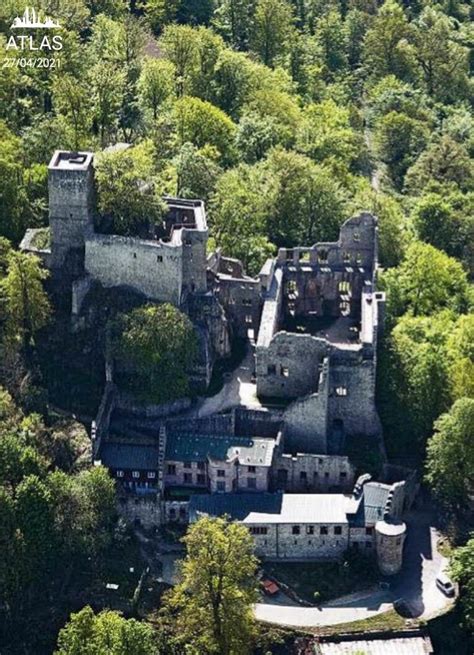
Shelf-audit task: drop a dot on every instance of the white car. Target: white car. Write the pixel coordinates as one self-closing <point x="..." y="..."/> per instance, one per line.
<point x="445" y="584"/>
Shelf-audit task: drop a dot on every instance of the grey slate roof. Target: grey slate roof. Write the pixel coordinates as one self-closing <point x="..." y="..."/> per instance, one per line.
<point x="251" y="451"/>
<point x="128" y="456"/>
<point x="371" y="506"/>
<point x="273" y="508"/>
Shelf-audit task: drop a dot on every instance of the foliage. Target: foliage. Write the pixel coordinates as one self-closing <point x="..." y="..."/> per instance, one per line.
<point x="127" y="189"/>
<point x="450" y="455"/>
<point x="215" y="597"/>
<point x="156" y="344"/>
<point x="426" y="281"/>
<point x="106" y="633"/>
<point x="462" y="570"/>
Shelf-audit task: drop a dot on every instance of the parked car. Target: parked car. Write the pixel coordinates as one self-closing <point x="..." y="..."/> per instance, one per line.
<point x="445" y="584"/>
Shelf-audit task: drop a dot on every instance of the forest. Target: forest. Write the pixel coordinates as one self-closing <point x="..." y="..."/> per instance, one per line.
<point x="286" y="117"/>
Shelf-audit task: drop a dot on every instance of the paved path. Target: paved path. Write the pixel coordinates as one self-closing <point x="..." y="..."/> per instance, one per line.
<point x="238" y="390"/>
<point x="415" y="584"/>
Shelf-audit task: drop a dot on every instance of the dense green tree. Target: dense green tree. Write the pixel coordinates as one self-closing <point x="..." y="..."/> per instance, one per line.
<point x="384" y="45"/>
<point x="306" y="204"/>
<point x="196" y="172"/>
<point x="27" y="305"/>
<point x="255" y="136"/>
<point x="128" y="190"/>
<point x="436" y="222"/>
<point x="271" y="30"/>
<point x="156" y="345"/>
<point x="450" y="455"/>
<point x="215" y="597"/>
<point x="443" y="61"/>
<point x="462" y="570"/>
<point x="202" y="124"/>
<point x="326" y="133"/>
<point x="426" y="281"/>
<point x="180" y="45"/>
<point x="399" y="140"/>
<point x="106" y="633"/>
<point x="461" y="357"/>
<point x="156" y="84"/>
<point x="233" y="19"/>
<point x="443" y="162"/>
<point x="12" y="192"/>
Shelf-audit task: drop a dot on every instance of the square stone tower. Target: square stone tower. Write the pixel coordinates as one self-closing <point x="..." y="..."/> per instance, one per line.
<point x="71" y="208"/>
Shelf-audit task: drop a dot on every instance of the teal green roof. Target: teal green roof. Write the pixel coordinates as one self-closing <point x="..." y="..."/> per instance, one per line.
<point x="189" y="447"/>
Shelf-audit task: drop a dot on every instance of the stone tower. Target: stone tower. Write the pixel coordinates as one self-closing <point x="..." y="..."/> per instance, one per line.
<point x="389" y="539"/>
<point x="71" y="208"/>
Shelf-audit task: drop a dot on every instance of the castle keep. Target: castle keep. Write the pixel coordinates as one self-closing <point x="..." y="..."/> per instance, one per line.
<point x="310" y="321"/>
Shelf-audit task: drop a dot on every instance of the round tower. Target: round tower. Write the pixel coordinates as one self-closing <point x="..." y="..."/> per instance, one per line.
<point x="389" y="539"/>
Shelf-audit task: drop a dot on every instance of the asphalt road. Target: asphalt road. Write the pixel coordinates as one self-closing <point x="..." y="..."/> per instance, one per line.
<point x="415" y="584"/>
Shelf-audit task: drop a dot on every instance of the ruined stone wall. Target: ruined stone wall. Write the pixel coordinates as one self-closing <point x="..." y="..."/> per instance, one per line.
<point x="352" y="394"/>
<point x="152" y="268"/>
<point x="241" y="300"/>
<point x="141" y="510"/>
<point x="306" y="420"/>
<point x="362" y="538"/>
<point x="290" y="366"/>
<point x="306" y="472"/>
<point x="194" y="260"/>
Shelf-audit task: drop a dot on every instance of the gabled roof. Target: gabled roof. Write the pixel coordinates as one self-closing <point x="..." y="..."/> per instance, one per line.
<point x="250" y="451"/>
<point x="270" y="508"/>
<point x="129" y="456"/>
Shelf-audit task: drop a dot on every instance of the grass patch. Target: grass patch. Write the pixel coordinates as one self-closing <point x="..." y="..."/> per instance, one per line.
<point x="327" y="579"/>
<point x="385" y="621"/>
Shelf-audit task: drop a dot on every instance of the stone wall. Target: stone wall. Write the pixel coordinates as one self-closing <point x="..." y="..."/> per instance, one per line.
<point x="280" y="542"/>
<point x="241" y="299"/>
<point x="152" y="268"/>
<point x="141" y="510"/>
<point x="305" y="473"/>
<point x="71" y="207"/>
<point x="290" y="366"/>
<point x="306" y="420"/>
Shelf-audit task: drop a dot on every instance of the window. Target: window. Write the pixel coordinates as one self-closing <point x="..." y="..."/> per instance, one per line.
<point x="201" y="466"/>
<point x="346" y="257"/>
<point x="345" y="308"/>
<point x="368" y="544"/>
<point x="272" y="369"/>
<point x="356" y="236"/>
<point x="323" y="529"/>
<point x="344" y="287"/>
<point x="188" y="465"/>
<point x="368" y="531"/>
<point x="120" y="474"/>
<point x="323" y="256"/>
<point x="295" y="529"/>
<point x="172" y="513"/>
<point x="188" y="478"/>
<point x="337" y="529"/>
<point x="220" y="473"/>
<point x="257" y="529"/>
<point x="201" y="479"/>
<point x="284" y="371"/>
<point x="135" y="474"/>
<point x="134" y="255"/>
<point x="341" y="391"/>
<point x="343" y="474"/>
<point x="251" y="469"/>
<point x="159" y="258"/>
<point x="303" y="476"/>
<point x="252" y="483"/>
<point x="171" y="469"/>
<point x="326" y="474"/>
<point x="248" y="318"/>
<point x="151" y="475"/>
<point x="220" y="486"/>
<point x="359" y="259"/>
<point x="310" y="529"/>
<point x="247" y="302"/>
